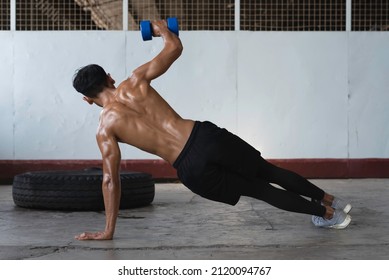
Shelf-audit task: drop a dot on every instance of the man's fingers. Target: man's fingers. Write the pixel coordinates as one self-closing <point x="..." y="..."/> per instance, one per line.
<point x="84" y="236"/>
<point x="80" y="236"/>
<point x="89" y="235"/>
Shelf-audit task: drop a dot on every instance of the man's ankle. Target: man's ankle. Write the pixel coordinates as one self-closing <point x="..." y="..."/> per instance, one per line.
<point x="327" y="199"/>
<point x="329" y="212"/>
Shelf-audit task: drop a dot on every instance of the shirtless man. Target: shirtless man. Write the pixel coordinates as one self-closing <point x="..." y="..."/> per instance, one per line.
<point x="210" y="161"/>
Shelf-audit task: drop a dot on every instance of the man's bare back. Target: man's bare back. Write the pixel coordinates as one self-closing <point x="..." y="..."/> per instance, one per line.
<point x="140" y="117"/>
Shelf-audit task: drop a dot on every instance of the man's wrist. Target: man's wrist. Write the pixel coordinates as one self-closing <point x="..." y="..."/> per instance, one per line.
<point x="109" y="232"/>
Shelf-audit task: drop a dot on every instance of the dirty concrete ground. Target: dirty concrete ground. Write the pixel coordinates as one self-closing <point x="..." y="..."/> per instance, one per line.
<point x="181" y="225"/>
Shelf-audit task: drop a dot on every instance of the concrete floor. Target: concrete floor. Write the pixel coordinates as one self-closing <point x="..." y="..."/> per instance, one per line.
<point x="181" y="225"/>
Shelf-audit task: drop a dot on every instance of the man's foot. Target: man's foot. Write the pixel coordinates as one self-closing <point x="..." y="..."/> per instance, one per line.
<point x="340" y="220"/>
<point x="339" y="204"/>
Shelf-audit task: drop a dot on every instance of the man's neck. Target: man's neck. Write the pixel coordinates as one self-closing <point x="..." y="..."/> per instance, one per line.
<point x="107" y="96"/>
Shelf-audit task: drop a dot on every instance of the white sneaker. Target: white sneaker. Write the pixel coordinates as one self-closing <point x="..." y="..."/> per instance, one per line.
<point x="341" y="205"/>
<point x="340" y="220"/>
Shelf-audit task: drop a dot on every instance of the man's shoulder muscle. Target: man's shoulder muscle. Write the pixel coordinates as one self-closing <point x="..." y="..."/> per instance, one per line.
<point x="108" y="120"/>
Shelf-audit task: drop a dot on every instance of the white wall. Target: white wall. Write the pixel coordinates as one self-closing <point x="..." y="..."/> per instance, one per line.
<point x="290" y="94"/>
<point x="7" y="107"/>
<point x="369" y="95"/>
<point x="293" y="93"/>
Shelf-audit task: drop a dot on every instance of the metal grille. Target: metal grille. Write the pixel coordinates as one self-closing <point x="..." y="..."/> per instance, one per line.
<point x="52" y="15"/>
<point x="192" y="15"/>
<point x="255" y="15"/>
<point x="106" y="14"/>
<point x="5" y="15"/>
<point x="370" y="15"/>
<point x="293" y="15"/>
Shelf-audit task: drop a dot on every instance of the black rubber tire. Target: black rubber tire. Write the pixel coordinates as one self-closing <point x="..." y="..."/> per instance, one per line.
<point x="78" y="190"/>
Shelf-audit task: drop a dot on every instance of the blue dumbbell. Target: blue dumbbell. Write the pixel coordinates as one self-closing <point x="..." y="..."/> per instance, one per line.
<point x="147" y="31"/>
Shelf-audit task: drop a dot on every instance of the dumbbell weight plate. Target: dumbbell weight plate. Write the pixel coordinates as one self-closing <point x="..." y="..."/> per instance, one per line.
<point x="145" y="29"/>
<point x="172" y="24"/>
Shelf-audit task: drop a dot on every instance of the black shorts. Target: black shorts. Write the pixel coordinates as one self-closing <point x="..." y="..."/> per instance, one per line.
<point x="214" y="163"/>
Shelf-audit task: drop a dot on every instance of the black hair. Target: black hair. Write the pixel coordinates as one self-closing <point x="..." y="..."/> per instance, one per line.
<point x="90" y="80"/>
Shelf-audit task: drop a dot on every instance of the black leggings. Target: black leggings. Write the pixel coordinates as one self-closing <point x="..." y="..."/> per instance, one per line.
<point x="290" y="198"/>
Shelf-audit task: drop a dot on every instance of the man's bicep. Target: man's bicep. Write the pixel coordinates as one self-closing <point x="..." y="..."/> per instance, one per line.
<point x="110" y="153"/>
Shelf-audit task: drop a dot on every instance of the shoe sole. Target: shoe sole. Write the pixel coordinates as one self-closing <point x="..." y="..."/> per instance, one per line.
<point x="342" y="225"/>
<point x="347" y="209"/>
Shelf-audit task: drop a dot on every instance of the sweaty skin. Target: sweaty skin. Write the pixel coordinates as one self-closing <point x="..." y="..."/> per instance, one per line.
<point x="134" y="113"/>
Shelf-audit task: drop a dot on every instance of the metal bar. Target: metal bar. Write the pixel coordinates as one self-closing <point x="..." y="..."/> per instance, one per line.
<point x="125" y="15"/>
<point x="348" y="15"/>
<point x="13" y="15"/>
<point x="237" y="15"/>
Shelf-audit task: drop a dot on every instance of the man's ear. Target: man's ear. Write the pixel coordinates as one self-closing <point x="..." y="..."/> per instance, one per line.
<point x="89" y="100"/>
<point x="110" y="80"/>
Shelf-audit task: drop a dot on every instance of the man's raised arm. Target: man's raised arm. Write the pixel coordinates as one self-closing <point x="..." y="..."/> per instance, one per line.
<point x="160" y="64"/>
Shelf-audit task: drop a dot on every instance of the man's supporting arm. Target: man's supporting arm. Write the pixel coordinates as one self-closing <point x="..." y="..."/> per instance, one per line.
<point x="111" y="186"/>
